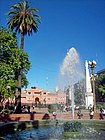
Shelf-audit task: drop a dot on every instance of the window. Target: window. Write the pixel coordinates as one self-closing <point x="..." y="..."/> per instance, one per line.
<point x="37" y="92"/>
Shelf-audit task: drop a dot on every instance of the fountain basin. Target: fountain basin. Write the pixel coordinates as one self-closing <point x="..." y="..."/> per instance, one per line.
<point x="50" y="130"/>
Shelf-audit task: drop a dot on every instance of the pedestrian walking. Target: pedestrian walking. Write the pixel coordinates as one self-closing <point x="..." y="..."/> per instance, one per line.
<point x="91" y="114"/>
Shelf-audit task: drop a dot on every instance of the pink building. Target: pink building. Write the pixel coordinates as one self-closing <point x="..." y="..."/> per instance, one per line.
<point x="36" y="96"/>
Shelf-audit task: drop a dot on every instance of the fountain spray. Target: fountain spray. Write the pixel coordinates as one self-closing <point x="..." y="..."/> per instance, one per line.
<point x="70" y="73"/>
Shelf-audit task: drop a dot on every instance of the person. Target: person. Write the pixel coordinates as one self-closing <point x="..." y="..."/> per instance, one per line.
<point x="102" y="113"/>
<point x="54" y="114"/>
<point x="79" y="114"/>
<point x="91" y="114"/>
<point x="28" y="108"/>
<point x="14" y="108"/>
<point x="90" y="107"/>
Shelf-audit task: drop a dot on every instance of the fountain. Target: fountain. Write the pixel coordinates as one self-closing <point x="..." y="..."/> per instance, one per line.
<point x="70" y="73"/>
<point x="48" y="130"/>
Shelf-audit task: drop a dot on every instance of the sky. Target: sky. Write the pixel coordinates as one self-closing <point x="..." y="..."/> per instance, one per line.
<point x="64" y="24"/>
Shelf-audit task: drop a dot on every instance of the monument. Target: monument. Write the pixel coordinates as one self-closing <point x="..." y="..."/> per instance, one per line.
<point x="89" y="94"/>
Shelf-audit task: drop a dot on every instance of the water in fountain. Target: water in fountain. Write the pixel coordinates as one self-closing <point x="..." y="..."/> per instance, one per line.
<point x="78" y="130"/>
<point x="71" y="69"/>
<point x="70" y="73"/>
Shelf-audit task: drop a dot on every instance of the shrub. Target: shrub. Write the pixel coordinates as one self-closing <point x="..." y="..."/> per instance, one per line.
<point x="52" y="108"/>
<point x="100" y="105"/>
<point x="72" y="126"/>
<point x="6" y="111"/>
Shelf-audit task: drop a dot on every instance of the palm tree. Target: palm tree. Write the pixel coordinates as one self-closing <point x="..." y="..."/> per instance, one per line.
<point x="23" y="20"/>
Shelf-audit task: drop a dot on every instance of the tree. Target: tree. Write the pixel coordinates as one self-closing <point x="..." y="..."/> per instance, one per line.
<point x="24" y="20"/>
<point x="10" y="63"/>
<point x="79" y="93"/>
<point x="100" y="86"/>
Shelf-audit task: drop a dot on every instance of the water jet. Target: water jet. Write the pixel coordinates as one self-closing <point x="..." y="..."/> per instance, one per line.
<point x="70" y="73"/>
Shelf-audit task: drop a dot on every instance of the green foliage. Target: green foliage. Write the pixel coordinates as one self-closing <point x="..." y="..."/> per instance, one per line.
<point x="22" y="18"/>
<point x="79" y="95"/>
<point x="100" y="87"/>
<point x="100" y="83"/>
<point x="99" y="106"/>
<point x="7" y="111"/>
<point x="10" y="62"/>
<point x="72" y="126"/>
<point x="52" y="108"/>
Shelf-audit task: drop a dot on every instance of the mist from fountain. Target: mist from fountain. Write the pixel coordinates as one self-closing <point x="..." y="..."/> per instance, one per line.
<point x="70" y="73"/>
<point x="70" y="69"/>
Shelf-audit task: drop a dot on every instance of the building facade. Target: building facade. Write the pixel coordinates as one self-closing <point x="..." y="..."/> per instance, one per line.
<point x="101" y="72"/>
<point x="36" y="96"/>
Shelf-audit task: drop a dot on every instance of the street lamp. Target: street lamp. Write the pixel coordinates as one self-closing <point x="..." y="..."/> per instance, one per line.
<point x="92" y="66"/>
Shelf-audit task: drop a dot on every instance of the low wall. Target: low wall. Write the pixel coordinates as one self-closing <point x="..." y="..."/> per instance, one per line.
<point x="23" y="117"/>
<point x="44" y="116"/>
<point x="68" y="115"/>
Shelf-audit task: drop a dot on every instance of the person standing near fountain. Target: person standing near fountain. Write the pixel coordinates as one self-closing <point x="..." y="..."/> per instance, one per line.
<point x="102" y="113"/>
<point x="91" y="113"/>
<point x="79" y="114"/>
<point x="54" y="115"/>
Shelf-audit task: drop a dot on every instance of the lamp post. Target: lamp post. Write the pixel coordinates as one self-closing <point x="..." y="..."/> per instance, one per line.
<point x="92" y="66"/>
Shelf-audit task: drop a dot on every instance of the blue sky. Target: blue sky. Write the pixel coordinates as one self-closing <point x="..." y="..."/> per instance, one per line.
<point x="64" y="24"/>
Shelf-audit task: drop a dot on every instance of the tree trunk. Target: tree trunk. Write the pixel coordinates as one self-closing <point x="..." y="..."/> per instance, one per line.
<point x="18" y="97"/>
